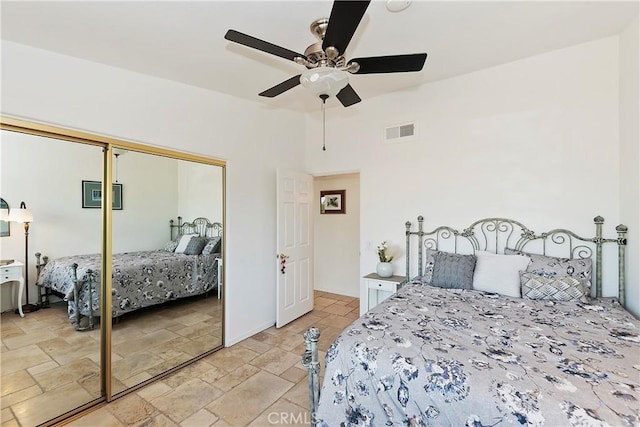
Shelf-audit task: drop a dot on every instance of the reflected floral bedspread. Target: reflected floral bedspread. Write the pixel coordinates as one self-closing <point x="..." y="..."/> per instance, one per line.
<point x="140" y="279"/>
<point x="440" y="357"/>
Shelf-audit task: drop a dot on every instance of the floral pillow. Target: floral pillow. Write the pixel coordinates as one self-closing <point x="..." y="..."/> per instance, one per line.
<point x="429" y="262"/>
<point x="170" y="246"/>
<point x="548" y="266"/>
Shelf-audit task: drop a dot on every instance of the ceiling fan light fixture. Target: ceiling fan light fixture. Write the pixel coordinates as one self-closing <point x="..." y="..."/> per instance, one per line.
<point x="324" y="80"/>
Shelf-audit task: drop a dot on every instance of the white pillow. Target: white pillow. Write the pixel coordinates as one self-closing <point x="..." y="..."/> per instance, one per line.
<point x="183" y="242"/>
<point x="499" y="273"/>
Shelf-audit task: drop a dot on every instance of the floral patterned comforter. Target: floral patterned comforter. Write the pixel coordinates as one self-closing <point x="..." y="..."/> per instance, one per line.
<point x="442" y="357"/>
<point x="139" y="279"/>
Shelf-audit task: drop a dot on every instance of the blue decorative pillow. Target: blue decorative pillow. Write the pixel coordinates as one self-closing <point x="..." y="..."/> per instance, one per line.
<point x="195" y="246"/>
<point x="212" y="246"/>
<point x="453" y="271"/>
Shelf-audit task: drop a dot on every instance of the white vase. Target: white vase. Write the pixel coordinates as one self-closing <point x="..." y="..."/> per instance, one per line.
<point x="384" y="269"/>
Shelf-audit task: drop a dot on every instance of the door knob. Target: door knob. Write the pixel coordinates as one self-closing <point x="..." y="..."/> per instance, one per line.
<point x="283" y="261"/>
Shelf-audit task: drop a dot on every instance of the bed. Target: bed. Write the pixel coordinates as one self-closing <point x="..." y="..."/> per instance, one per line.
<point x="139" y="279"/>
<point x="454" y="355"/>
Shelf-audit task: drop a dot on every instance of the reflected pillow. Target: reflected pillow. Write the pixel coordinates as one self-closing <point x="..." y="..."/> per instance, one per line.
<point x="170" y="246"/>
<point x="499" y="273"/>
<point x="212" y="246"/>
<point x="559" y="288"/>
<point x="183" y="242"/>
<point x="195" y="246"/>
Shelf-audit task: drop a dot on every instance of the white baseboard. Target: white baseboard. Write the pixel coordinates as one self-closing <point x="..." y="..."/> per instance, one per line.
<point x="231" y="341"/>
<point x="339" y="291"/>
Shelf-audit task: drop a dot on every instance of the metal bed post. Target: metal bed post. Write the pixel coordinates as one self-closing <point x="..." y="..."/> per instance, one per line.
<point x="420" y="233"/>
<point x="90" y="277"/>
<point x="598" y="241"/>
<point x="76" y="298"/>
<point x="47" y="291"/>
<point x="310" y="361"/>
<point x="421" y="245"/>
<point x="622" y="246"/>
<point x="408" y="250"/>
<point x="74" y="268"/>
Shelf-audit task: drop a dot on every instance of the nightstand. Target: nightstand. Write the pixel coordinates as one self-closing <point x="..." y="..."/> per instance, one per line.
<point x="13" y="273"/>
<point x="375" y="289"/>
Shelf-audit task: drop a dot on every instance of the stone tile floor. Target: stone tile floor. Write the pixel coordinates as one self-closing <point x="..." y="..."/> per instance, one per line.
<point x="49" y="368"/>
<point x="258" y="382"/>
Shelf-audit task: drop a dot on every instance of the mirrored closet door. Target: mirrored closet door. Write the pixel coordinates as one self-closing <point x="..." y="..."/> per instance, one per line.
<point x="167" y="265"/>
<point x="152" y="265"/>
<point x="48" y="368"/>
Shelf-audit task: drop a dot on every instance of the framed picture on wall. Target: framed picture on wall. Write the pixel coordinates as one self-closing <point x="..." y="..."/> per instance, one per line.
<point x="92" y="195"/>
<point x="333" y="202"/>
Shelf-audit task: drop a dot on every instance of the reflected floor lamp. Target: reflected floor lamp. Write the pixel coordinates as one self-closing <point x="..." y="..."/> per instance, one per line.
<point x="24" y="216"/>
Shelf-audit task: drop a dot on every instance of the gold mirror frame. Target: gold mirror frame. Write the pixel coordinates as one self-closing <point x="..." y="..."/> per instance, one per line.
<point x="108" y="144"/>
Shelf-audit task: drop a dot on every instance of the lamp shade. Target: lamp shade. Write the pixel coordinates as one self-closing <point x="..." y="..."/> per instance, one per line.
<point x="324" y="80"/>
<point x="21" y="215"/>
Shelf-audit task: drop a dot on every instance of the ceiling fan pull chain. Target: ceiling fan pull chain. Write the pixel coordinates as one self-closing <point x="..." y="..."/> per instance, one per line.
<point x="324" y="127"/>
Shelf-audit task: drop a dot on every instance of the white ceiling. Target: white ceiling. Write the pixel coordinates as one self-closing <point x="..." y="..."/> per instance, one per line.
<point x="184" y="40"/>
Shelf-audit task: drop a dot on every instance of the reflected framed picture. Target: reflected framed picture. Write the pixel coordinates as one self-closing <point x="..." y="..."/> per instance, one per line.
<point x="92" y="195"/>
<point x="5" y="229"/>
<point x="333" y="202"/>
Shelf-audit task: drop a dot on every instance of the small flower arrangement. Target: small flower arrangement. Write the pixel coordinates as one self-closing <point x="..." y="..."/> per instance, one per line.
<point x="382" y="252"/>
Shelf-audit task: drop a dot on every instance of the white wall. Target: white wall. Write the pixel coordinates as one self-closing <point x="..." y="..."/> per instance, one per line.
<point x="44" y="86"/>
<point x="199" y="191"/>
<point x="630" y="158"/>
<point x="534" y="140"/>
<point x="149" y="201"/>
<point x="336" y="246"/>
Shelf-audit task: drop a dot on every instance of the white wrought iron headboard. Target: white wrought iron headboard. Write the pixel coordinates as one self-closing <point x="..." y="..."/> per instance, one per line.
<point x="201" y="226"/>
<point x="496" y="234"/>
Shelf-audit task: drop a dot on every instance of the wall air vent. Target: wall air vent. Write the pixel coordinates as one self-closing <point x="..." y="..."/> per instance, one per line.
<point x="400" y="133"/>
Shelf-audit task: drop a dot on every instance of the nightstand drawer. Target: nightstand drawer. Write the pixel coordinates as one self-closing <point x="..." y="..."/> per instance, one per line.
<point x="10" y="274"/>
<point x="383" y="286"/>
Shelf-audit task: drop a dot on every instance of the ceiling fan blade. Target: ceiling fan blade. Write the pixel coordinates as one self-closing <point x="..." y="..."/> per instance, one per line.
<point x="347" y="96"/>
<point x="343" y="21"/>
<point x="282" y="87"/>
<point x="246" y="40"/>
<point x="390" y="64"/>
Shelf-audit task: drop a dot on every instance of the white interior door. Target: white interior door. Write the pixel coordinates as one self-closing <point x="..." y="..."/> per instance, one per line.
<point x="295" y="246"/>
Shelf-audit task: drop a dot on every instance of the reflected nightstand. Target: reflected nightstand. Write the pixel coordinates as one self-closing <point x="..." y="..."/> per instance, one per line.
<point x="13" y="273"/>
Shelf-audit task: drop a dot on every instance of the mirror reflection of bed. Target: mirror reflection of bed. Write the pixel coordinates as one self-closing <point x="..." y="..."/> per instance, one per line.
<point x="44" y="351"/>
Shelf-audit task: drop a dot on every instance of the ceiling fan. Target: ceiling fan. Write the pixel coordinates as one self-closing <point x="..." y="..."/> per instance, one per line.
<point x="327" y="68"/>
